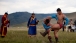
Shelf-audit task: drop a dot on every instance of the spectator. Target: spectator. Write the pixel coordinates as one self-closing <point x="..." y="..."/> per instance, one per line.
<point x="73" y="28"/>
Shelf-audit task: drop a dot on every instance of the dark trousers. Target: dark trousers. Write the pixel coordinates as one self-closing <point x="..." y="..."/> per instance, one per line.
<point x="72" y="30"/>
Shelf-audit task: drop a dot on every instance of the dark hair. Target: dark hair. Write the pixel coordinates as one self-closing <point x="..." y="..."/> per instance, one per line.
<point x="33" y="14"/>
<point x="58" y="9"/>
<point x="47" y="21"/>
<point x="6" y="13"/>
<point x="70" y="19"/>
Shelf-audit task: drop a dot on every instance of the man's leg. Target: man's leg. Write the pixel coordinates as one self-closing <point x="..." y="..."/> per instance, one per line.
<point x="50" y="39"/>
<point x="56" y="35"/>
<point x="49" y="36"/>
<point x="2" y="31"/>
<point x="69" y="30"/>
<point x="63" y="28"/>
<point x="5" y="31"/>
<point x="73" y="30"/>
<point x="45" y="33"/>
<point x="54" y="27"/>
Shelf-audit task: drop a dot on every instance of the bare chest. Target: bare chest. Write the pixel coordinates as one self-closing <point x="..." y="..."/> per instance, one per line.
<point x="60" y="17"/>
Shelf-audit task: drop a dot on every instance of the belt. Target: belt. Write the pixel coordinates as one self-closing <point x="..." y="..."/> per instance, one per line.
<point x="32" y="25"/>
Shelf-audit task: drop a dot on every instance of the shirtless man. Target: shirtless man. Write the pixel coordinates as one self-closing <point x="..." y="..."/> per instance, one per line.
<point x="60" y="17"/>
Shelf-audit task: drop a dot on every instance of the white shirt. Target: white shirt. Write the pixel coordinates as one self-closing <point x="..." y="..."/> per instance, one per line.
<point x="73" y="27"/>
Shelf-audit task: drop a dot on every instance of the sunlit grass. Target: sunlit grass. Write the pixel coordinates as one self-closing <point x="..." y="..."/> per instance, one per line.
<point x="22" y="37"/>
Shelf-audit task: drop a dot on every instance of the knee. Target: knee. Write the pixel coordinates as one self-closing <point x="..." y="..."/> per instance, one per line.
<point x="55" y="35"/>
<point x="48" y="30"/>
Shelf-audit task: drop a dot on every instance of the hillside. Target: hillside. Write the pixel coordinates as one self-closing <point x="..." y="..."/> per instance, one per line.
<point x="21" y="18"/>
<point x="69" y="15"/>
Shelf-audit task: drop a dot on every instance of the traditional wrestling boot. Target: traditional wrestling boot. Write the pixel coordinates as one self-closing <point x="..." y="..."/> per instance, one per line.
<point x="49" y="37"/>
<point x="56" y="39"/>
<point x="44" y="33"/>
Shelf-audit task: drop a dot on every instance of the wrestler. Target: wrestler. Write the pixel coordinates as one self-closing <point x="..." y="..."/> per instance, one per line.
<point x="60" y="17"/>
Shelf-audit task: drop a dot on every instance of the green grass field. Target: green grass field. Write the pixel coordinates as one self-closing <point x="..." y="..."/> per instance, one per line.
<point x="21" y="36"/>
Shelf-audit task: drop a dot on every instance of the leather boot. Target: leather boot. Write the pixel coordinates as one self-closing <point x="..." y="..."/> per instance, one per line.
<point x="56" y="39"/>
<point x="49" y="37"/>
<point x="44" y="33"/>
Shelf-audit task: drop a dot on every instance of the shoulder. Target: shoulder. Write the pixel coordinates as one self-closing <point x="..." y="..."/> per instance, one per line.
<point x="64" y="15"/>
<point x="3" y="17"/>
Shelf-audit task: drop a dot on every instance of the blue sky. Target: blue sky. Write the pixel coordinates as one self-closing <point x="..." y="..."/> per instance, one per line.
<point x="37" y="6"/>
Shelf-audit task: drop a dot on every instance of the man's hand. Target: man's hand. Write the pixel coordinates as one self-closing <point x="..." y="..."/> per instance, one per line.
<point x="37" y="20"/>
<point x="8" y="25"/>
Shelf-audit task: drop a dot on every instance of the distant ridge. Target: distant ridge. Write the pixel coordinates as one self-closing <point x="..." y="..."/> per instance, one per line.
<point x="22" y="17"/>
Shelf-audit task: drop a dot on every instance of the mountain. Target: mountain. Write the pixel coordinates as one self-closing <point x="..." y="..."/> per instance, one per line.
<point x="21" y="18"/>
<point x="71" y="15"/>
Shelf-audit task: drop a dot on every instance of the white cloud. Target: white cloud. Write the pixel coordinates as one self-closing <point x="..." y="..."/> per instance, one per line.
<point x="38" y="6"/>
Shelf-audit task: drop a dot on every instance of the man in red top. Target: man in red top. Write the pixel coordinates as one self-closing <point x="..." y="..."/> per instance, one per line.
<point x="5" y="22"/>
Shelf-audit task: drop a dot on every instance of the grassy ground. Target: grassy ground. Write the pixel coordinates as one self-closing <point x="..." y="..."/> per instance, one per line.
<point x="21" y="36"/>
